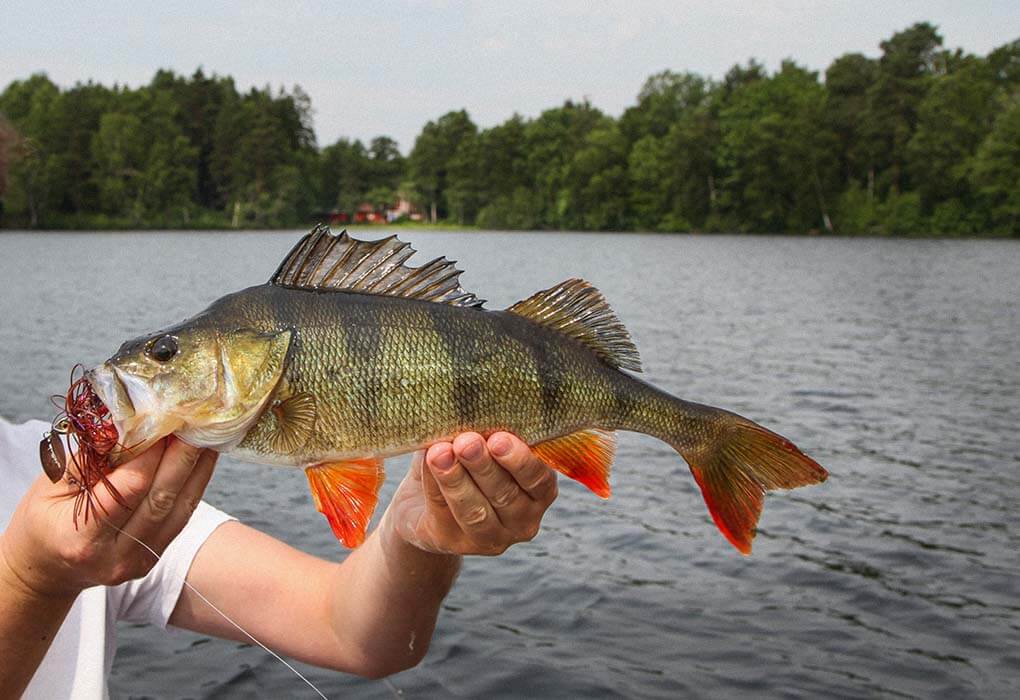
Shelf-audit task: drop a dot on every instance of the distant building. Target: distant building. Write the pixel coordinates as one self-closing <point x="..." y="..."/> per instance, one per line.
<point x="368" y="213"/>
<point x="403" y="209"/>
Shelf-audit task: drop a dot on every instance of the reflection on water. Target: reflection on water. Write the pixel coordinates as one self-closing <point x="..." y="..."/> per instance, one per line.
<point x="893" y="363"/>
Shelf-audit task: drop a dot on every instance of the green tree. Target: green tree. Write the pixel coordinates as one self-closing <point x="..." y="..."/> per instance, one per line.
<point x="953" y="118"/>
<point x="848" y="83"/>
<point x="171" y="169"/>
<point x="777" y="155"/>
<point x="120" y="154"/>
<point x="649" y="171"/>
<point x="663" y="100"/>
<point x="502" y="150"/>
<point x="386" y="165"/>
<point x="200" y="101"/>
<point x="430" y="158"/>
<point x="10" y="147"/>
<point x="995" y="171"/>
<point x="490" y="178"/>
<point x="260" y="140"/>
<point x="380" y="197"/>
<point x="595" y="180"/>
<point x="692" y="148"/>
<point x="550" y="143"/>
<point x="908" y="63"/>
<point x="673" y="134"/>
<point x="344" y="178"/>
<point x="40" y="177"/>
<point x="464" y="187"/>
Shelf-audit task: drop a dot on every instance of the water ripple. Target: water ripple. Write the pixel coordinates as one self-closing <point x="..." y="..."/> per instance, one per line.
<point x="892" y="362"/>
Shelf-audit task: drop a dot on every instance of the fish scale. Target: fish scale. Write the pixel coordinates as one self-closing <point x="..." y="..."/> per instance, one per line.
<point x="348" y="355"/>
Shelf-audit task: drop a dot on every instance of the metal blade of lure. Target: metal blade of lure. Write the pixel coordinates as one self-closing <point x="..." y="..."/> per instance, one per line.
<point x="52" y="456"/>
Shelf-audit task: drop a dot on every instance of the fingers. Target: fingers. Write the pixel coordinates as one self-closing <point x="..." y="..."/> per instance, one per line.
<point x="159" y="488"/>
<point x="483" y="496"/>
<point x="499" y="488"/>
<point x="175" y="491"/>
<point x="466" y="503"/>
<point x="435" y="501"/>
<point x="187" y="500"/>
<point x="132" y="481"/>
<point x="530" y="473"/>
<point x="175" y="468"/>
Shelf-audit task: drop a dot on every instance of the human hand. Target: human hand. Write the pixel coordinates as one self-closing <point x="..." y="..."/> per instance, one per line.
<point x="472" y="496"/>
<point x="160" y="488"/>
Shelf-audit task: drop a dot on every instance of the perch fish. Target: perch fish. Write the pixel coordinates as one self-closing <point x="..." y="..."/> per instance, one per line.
<point x="348" y="355"/>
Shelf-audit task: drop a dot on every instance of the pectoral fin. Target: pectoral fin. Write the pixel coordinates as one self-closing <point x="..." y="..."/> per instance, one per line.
<point x="346" y="493"/>
<point x="584" y="456"/>
<point x="294" y="422"/>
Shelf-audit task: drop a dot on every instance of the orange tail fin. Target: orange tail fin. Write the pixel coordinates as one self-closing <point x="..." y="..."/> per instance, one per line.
<point x="346" y="493"/>
<point x="735" y="469"/>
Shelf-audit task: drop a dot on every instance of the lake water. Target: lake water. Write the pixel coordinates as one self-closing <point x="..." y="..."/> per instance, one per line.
<point x="895" y="363"/>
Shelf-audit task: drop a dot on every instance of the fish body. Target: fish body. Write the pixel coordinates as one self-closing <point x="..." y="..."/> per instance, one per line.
<point x="347" y="356"/>
<point x="391" y="375"/>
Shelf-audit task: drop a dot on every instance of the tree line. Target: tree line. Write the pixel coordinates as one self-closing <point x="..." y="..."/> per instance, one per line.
<point x="922" y="139"/>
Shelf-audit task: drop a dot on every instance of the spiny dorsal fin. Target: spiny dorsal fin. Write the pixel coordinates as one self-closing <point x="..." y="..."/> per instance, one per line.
<point x="578" y="309"/>
<point x="324" y="261"/>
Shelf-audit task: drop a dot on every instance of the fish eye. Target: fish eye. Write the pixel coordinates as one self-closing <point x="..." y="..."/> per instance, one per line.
<point x="163" y="349"/>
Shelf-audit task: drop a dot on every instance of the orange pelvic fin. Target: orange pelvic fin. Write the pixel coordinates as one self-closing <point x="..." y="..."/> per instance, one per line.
<point x="584" y="456"/>
<point x="747" y="461"/>
<point x="346" y="493"/>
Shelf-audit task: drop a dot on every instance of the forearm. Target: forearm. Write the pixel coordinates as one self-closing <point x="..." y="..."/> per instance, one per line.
<point x="28" y="623"/>
<point x="387" y="599"/>
<point x="374" y="613"/>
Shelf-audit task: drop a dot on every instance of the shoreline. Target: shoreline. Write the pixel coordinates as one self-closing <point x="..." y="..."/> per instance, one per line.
<point x="460" y="228"/>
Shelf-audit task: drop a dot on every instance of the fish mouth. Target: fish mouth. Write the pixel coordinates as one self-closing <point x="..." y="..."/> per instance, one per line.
<point x="109" y="387"/>
<point x="134" y="409"/>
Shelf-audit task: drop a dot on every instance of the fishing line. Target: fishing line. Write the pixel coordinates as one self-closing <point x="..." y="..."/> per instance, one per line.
<point x="226" y="617"/>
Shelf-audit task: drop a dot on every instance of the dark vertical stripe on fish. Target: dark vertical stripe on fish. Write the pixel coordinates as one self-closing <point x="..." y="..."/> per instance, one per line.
<point x="550" y="383"/>
<point x="363" y="343"/>
<point x="623" y="400"/>
<point x="544" y="358"/>
<point x="462" y="351"/>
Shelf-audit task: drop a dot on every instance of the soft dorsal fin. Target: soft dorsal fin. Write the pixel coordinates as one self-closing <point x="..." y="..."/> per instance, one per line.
<point x="578" y="309"/>
<point x="324" y="261"/>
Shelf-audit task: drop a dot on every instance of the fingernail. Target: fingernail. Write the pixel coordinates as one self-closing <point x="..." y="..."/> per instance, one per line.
<point x="500" y="445"/>
<point x="443" y="461"/>
<point x="472" y="450"/>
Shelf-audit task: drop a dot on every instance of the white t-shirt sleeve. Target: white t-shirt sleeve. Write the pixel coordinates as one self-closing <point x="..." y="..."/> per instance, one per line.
<point x="153" y="597"/>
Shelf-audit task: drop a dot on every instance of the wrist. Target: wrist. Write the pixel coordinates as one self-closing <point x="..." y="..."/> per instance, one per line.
<point x="396" y="547"/>
<point x="27" y="580"/>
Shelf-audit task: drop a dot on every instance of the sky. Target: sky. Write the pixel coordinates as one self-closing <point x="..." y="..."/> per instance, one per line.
<point x="388" y="67"/>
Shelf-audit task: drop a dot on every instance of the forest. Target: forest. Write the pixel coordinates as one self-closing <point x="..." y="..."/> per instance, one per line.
<point x="921" y="140"/>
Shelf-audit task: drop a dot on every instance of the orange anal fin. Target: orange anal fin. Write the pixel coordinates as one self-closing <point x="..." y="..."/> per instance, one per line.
<point x="346" y="493"/>
<point x="584" y="456"/>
